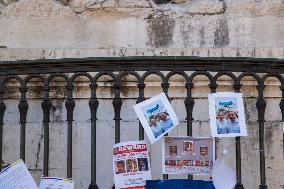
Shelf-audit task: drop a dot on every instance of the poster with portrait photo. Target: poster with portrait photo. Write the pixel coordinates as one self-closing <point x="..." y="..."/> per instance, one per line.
<point x="131" y="165"/>
<point x="188" y="147"/>
<point x="227" y="117"/>
<point x="193" y="155"/>
<point x="156" y="116"/>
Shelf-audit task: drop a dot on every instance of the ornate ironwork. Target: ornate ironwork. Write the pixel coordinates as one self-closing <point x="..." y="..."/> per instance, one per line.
<point x="149" y="65"/>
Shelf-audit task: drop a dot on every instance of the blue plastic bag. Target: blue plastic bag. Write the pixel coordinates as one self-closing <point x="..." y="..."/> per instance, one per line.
<point x="179" y="184"/>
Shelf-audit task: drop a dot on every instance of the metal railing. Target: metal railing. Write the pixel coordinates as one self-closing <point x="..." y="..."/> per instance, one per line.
<point x="132" y="66"/>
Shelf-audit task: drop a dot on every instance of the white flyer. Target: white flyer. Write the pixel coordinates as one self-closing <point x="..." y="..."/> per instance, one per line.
<point x="56" y="183"/>
<point x="156" y="116"/>
<point x="131" y="165"/>
<point x="17" y="176"/>
<point x="227" y="117"/>
<point x="188" y="155"/>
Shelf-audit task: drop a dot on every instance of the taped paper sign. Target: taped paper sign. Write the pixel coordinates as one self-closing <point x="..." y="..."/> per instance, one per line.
<point x="55" y="183"/>
<point x="131" y="165"/>
<point x="17" y="176"/>
<point x="156" y="116"/>
<point x="188" y="155"/>
<point x="227" y="117"/>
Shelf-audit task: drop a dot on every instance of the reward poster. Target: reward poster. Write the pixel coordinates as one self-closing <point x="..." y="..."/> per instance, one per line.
<point x="156" y="116"/>
<point x="189" y="155"/>
<point x="131" y="165"/>
<point x="227" y="117"/>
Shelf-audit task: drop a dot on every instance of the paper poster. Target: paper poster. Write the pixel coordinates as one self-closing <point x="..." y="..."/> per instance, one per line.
<point x="17" y="176"/>
<point x="55" y="183"/>
<point x="227" y="117"/>
<point x="131" y="165"/>
<point x="223" y="175"/>
<point x="189" y="155"/>
<point x="156" y="116"/>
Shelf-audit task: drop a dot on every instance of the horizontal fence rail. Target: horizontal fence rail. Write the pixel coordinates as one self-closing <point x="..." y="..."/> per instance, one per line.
<point x="140" y="68"/>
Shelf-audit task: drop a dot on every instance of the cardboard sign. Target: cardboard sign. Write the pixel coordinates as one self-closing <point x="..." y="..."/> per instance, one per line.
<point x="188" y="155"/>
<point x="227" y="117"/>
<point x="17" y="176"/>
<point x="131" y="165"/>
<point x="55" y="183"/>
<point x="156" y="116"/>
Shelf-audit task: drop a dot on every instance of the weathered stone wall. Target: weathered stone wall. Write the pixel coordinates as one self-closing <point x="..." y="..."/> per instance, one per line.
<point x="49" y="29"/>
<point x="76" y="28"/>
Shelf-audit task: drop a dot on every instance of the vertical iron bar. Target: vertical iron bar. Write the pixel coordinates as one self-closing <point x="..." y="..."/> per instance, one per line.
<point x="165" y="87"/>
<point x="117" y="103"/>
<point x="93" y="104"/>
<point x="23" y="109"/>
<point x="70" y="105"/>
<point x="261" y="105"/>
<point x="46" y="108"/>
<point x="281" y="104"/>
<point x="189" y="103"/>
<point x="239" y="185"/>
<point x="141" y="87"/>
<point x="2" y="111"/>
<point x="213" y="86"/>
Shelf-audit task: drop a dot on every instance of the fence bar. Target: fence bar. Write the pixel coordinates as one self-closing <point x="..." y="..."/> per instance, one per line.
<point x="2" y="111"/>
<point x="165" y="86"/>
<point x="117" y="103"/>
<point x="213" y="87"/>
<point x="281" y="104"/>
<point x="261" y="105"/>
<point x="141" y="87"/>
<point x="93" y="104"/>
<point x="70" y="105"/>
<point x="189" y="103"/>
<point x="23" y="109"/>
<point x="239" y="185"/>
<point x="46" y="108"/>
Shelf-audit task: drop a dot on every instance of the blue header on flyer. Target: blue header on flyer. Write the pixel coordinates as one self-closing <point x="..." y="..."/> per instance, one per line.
<point x="151" y="110"/>
<point x="227" y="104"/>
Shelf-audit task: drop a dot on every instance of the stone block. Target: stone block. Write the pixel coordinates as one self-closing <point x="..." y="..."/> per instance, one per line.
<point x="134" y="4"/>
<point x="9" y="1"/>
<point x="37" y="8"/>
<point x="204" y="7"/>
<point x="110" y="4"/>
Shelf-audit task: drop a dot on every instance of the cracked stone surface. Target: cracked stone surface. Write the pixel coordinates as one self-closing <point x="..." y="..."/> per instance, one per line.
<point x="82" y="5"/>
<point x="8" y="1"/>
<point x="178" y="1"/>
<point x="204" y="7"/>
<point x="37" y="8"/>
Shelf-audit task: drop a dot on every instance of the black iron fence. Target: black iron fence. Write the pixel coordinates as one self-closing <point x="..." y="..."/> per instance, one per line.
<point x="47" y="70"/>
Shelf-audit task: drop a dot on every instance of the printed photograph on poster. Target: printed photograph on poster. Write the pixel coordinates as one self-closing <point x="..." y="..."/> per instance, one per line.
<point x="156" y="116"/>
<point x="131" y="165"/>
<point x="227" y="117"/>
<point x="188" y="147"/>
<point x="192" y="155"/>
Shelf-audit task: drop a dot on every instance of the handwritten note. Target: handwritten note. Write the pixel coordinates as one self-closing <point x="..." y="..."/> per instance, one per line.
<point x="56" y="183"/>
<point x="17" y="176"/>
